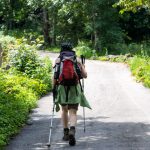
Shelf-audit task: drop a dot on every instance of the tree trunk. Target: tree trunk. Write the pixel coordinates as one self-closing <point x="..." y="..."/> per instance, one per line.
<point x="10" y="15"/>
<point x="46" y="27"/>
<point x="1" y="52"/>
<point x="94" y="33"/>
<point x="54" y="28"/>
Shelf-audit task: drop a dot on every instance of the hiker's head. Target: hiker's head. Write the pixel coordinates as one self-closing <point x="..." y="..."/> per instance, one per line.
<point x="66" y="46"/>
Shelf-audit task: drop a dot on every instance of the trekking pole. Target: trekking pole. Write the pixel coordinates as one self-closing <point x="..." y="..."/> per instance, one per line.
<point x="52" y="116"/>
<point x="83" y="62"/>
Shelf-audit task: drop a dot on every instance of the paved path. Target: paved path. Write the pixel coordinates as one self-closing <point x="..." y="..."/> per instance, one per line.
<point x="120" y="119"/>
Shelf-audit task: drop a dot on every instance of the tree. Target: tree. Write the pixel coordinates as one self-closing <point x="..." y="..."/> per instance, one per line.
<point x="13" y="12"/>
<point x="136" y="25"/>
<point x="71" y="24"/>
<point x="103" y="24"/>
<point x="132" y="5"/>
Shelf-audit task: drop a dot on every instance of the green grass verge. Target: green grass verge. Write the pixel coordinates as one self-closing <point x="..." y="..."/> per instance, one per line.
<point x="53" y="49"/>
<point x="140" y="67"/>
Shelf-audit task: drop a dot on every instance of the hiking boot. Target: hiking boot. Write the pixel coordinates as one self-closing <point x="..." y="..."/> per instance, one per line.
<point x="72" y="140"/>
<point x="66" y="134"/>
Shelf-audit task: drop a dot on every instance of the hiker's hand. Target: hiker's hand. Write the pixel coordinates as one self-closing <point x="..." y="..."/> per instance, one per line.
<point x="83" y="65"/>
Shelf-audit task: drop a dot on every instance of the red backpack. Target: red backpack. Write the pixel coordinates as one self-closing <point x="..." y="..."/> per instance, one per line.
<point x="69" y="70"/>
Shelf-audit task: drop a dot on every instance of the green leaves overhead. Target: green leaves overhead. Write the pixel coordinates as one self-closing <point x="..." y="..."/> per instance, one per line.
<point x="132" y="5"/>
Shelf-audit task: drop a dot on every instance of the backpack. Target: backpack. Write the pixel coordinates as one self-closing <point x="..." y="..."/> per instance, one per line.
<point x="69" y="74"/>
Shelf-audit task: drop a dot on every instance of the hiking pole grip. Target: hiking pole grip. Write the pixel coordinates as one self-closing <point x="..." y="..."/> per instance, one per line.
<point x="82" y="59"/>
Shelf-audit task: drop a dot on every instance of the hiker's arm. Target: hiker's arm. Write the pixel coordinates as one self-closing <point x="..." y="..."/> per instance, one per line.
<point x="55" y="81"/>
<point x="83" y="71"/>
<point x="82" y="68"/>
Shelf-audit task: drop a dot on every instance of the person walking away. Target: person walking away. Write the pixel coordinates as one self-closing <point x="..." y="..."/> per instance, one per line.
<point x="68" y="71"/>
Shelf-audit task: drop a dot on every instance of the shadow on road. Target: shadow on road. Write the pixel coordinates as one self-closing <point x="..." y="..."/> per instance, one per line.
<point x="105" y="135"/>
<point x="99" y="134"/>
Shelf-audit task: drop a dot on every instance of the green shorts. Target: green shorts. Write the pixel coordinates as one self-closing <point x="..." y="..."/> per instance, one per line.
<point x="71" y="106"/>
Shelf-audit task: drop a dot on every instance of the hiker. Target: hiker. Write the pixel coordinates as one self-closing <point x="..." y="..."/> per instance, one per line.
<point x="69" y="94"/>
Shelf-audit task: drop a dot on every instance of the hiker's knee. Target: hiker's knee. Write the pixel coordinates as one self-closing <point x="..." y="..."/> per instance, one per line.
<point x="72" y="111"/>
<point x="64" y="109"/>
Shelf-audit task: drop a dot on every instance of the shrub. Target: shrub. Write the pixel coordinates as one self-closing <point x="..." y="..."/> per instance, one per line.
<point x="25" y="61"/>
<point x="53" y="49"/>
<point x="27" y="80"/>
<point x="103" y="58"/>
<point x="84" y="49"/>
<point x="8" y="43"/>
<point x="27" y="36"/>
<point x="18" y="96"/>
<point x="140" y="67"/>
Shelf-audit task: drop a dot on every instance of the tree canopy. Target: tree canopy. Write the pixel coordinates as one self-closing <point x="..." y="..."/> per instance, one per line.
<point x="96" y="21"/>
<point x="133" y="5"/>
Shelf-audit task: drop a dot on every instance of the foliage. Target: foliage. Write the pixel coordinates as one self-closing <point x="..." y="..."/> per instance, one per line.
<point x="18" y="96"/>
<point x="104" y="24"/>
<point x="136" y="25"/>
<point x="140" y="67"/>
<point x="14" y="39"/>
<point x="24" y="59"/>
<point x="84" y="49"/>
<point x="53" y="49"/>
<point x="8" y="43"/>
<point x="103" y="58"/>
<point x="26" y="36"/>
<point x="132" y="5"/>
<point x="20" y="87"/>
<point x="59" y="20"/>
<point x="26" y="62"/>
<point x="14" y="13"/>
<point x="115" y="58"/>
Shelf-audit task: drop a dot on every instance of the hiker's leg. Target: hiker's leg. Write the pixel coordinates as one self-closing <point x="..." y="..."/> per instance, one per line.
<point x="73" y="117"/>
<point x="64" y="116"/>
<point x="73" y="122"/>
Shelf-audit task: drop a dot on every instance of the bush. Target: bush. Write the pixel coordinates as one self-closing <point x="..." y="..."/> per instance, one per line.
<point x="142" y="49"/>
<point x="18" y="96"/>
<point x="25" y="61"/>
<point x="140" y="67"/>
<point x="115" y="58"/>
<point x="27" y="36"/>
<point x="84" y="49"/>
<point x="103" y="58"/>
<point x="53" y="49"/>
<point x="8" y="43"/>
<point x="27" y="80"/>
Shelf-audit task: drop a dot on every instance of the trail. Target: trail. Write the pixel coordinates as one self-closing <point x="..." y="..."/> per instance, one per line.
<point x="119" y="120"/>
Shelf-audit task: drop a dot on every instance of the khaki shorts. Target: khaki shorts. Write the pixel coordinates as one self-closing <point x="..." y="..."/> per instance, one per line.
<point x="71" y="106"/>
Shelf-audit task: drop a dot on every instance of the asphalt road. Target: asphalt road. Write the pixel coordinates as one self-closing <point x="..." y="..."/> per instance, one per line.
<point x="119" y="120"/>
